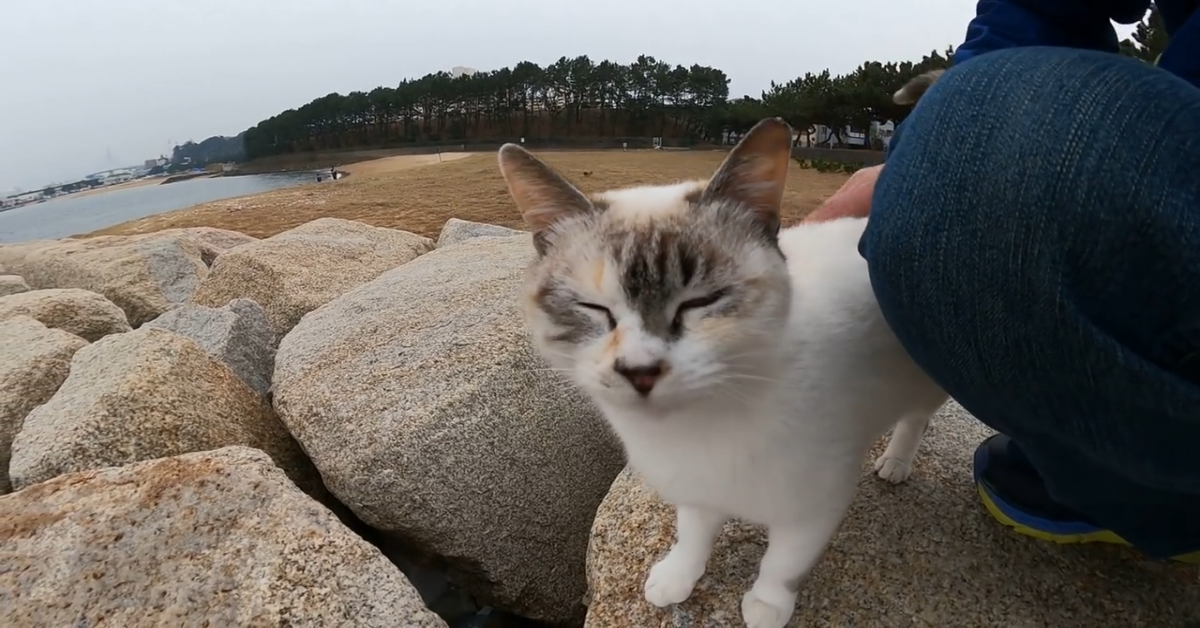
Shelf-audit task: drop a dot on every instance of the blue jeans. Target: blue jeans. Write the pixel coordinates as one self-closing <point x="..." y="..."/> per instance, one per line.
<point x="1034" y="242"/>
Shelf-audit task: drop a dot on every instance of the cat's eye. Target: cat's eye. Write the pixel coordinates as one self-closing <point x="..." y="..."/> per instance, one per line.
<point x="704" y="301"/>
<point x="694" y="304"/>
<point x="612" y="322"/>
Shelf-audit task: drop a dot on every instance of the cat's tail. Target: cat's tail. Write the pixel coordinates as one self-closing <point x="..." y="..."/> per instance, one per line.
<point x="914" y="89"/>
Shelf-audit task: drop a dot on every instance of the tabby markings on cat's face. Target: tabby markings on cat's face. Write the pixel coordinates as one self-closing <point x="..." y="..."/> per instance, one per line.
<point x="658" y="295"/>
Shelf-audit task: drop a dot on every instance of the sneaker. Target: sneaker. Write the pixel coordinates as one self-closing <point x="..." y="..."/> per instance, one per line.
<point x="1013" y="493"/>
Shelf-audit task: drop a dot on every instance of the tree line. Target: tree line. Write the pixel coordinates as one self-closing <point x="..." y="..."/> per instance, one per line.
<point x="215" y="149"/>
<point x="578" y="99"/>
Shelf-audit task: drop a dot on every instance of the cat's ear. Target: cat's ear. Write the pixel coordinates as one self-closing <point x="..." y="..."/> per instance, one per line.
<point x="543" y="196"/>
<point x="754" y="174"/>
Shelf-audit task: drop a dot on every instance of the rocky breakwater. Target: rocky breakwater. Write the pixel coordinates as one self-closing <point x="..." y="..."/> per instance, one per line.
<point x="378" y="445"/>
<point x="144" y="275"/>
<point x="341" y="425"/>
<point x="428" y="413"/>
<point x="296" y="271"/>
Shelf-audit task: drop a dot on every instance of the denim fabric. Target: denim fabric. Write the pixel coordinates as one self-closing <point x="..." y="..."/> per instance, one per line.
<point x="1034" y="242"/>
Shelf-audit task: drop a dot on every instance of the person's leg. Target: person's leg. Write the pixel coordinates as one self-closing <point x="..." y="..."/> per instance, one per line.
<point x="1034" y="242"/>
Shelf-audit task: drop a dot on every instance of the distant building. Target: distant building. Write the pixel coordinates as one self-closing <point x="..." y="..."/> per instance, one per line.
<point x="820" y="135"/>
<point x="459" y="70"/>
<point x="884" y="132"/>
<point x="110" y="177"/>
<point x="26" y="197"/>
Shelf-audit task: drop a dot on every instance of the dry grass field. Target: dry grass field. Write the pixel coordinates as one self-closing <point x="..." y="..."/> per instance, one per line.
<point x="418" y="194"/>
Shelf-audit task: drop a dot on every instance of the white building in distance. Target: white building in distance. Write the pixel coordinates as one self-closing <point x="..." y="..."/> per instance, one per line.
<point x="459" y="70"/>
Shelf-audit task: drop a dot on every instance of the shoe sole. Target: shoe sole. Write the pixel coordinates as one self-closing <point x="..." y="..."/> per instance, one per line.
<point x="1070" y="533"/>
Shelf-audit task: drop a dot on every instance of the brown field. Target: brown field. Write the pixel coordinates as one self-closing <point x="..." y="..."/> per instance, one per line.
<point x="394" y="192"/>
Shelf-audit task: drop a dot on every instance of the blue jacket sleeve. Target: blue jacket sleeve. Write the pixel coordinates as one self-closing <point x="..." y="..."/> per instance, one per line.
<point x="1086" y="24"/>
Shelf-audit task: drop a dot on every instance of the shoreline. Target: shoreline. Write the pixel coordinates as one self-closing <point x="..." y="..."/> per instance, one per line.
<point x="128" y="185"/>
<point x="418" y="194"/>
<point x="358" y="185"/>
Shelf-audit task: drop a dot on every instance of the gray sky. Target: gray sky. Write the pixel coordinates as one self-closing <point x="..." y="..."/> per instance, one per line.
<point x="83" y="79"/>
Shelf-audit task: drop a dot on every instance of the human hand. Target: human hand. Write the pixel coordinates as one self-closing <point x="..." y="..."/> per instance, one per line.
<point x="852" y="200"/>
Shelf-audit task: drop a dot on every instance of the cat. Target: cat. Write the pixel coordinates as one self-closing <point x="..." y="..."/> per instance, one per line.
<point x="746" y="369"/>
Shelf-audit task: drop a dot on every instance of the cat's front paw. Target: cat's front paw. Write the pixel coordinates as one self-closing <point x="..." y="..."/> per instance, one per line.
<point x="671" y="581"/>
<point x="767" y="611"/>
<point x="894" y="470"/>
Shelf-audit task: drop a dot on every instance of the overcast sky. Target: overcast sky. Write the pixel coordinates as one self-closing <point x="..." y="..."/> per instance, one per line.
<point x="93" y="84"/>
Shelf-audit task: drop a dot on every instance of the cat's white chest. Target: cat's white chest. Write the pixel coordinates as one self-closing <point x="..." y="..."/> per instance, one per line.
<point x="751" y="474"/>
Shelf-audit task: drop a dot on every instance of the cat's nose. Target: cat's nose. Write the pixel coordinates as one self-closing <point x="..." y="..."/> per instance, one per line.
<point x="642" y="377"/>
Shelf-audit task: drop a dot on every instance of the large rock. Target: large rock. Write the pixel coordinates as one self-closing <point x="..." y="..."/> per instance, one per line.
<point x="299" y="270"/>
<point x="34" y="361"/>
<point x="924" y="553"/>
<point x="145" y="275"/>
<point x="216" y="538"/>
<point x="81" y="312"/>
<point x="429" y="414"/>
<point x="237" y="334"/>
<point x="211" y="241"/>
<point x="455" y="231"/>
<point x="12" y="284"/>
<point x="148" y="394"/>
<point x="12" y="256"/>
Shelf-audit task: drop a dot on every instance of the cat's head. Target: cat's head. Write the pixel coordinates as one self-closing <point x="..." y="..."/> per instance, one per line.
<point x="649" y="297"/>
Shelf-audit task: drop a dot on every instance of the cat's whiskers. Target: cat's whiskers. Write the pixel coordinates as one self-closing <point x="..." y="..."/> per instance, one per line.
<point x="757" y="378"/>
<point x="732" y="392"/>
<point x="549" y="351"/>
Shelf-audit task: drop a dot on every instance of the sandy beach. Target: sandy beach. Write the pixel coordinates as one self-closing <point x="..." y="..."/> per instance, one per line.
<point x="399" y="162"/>
<point x="137" y="183"/>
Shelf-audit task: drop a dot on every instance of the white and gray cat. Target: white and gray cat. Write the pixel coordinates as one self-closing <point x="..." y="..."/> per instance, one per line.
<point x="747" y="370"/>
